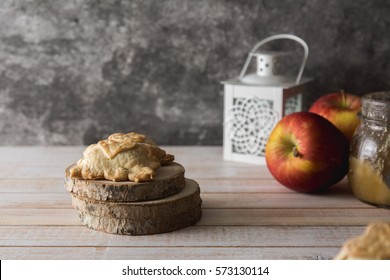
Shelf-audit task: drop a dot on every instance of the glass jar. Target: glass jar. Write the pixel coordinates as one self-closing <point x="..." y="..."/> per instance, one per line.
<point x="369" y="161"/>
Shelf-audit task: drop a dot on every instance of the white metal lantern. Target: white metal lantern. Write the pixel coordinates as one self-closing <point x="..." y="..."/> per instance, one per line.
<point x="254" y="103"/>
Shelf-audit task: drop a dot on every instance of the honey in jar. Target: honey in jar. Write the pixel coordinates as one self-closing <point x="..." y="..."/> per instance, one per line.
<point x="369" y="171"/>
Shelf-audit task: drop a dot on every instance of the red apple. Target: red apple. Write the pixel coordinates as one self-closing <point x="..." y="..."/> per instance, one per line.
<point x="341" y="109"/>
<point x="307" y="153"/>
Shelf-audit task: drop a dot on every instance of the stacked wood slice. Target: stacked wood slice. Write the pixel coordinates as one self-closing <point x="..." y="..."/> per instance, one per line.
<point x="167" y="203"/>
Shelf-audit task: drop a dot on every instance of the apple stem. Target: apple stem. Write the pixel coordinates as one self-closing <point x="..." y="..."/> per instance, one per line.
<point x="343" y="98"/>
<point x="295" y="152"/>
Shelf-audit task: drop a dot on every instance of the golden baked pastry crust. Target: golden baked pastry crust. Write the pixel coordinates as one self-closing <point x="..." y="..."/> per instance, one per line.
<point x="121" y="157"/>
<point x="374" y="244"/>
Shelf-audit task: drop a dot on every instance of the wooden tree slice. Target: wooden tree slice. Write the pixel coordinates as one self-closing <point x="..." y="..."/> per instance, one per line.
<point x="142" y="226"/>
<point x="169" y="180"/>
<point x="157" y="210"/>
<point x="148" y="217"/>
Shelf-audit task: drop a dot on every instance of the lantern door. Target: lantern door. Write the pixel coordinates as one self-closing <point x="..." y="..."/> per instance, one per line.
<point x="250" y="114"/>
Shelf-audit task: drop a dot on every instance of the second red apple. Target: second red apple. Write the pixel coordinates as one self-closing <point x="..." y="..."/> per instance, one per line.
<point x="341" y="109"/>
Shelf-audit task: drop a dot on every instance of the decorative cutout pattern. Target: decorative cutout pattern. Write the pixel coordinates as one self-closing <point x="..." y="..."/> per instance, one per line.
<point x="251" y="122"/>
<point x="292" y="105"/>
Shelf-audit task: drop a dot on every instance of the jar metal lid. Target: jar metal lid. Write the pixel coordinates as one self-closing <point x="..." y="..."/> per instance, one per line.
<point x="376" y="106"/>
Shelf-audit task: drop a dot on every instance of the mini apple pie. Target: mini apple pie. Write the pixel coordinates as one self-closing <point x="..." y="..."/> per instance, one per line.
<point x="374" y="244"/>
<point x="121" y="157"/>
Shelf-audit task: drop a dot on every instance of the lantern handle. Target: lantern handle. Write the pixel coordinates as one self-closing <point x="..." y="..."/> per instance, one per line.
<point x="277" y="37"/>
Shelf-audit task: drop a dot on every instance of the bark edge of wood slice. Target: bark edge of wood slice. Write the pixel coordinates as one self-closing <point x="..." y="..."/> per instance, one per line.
<point x="188" y="198"/>
<point x="169" y="180"/>
<point x="140" y="218"/>
<point x="143" y="226"/>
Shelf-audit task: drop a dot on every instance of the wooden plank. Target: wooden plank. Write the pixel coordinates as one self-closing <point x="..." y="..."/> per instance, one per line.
<point x="303" y="217"/>
<point x="213" y="185"/>
<point x="18" y="171"/>
<point x="194" y="236"/>
<point x="240" y="185"/>
<point x="220" y="217"/>
<point x="39" y="217"/>
<point x="63" y="155"/>
<point x="256" y="185"/>
<point x="50" y="162"/>
<point x="32" y="185"/>
<point x="36" y="200"/>
<point x="40" y="155"/>
<point x="281" y="200"/>
<point x="210" y="200"/>
<point x="208" y="185"/>
<point x="70" y="154"/>
<point x="51" y="171"/>
<point x="168" y="253"/>
<point x="228" y="172"/>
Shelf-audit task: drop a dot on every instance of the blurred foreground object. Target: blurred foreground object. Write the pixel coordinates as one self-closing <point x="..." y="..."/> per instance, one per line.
<point x="374" y="244"/>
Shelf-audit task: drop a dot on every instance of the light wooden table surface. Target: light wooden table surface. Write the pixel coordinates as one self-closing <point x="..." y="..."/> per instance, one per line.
<point x="246" y="213"/>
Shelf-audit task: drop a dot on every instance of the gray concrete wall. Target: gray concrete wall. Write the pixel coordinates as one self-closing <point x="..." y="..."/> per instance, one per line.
<point x="74" y="71"/>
